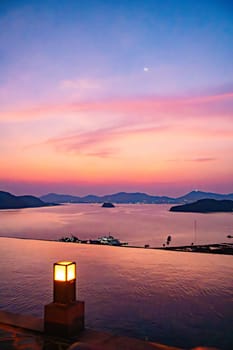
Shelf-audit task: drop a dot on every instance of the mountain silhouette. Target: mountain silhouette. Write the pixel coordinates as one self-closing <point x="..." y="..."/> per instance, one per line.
<point x="135" y="197"/>
<point x="9" y="201"/>
<point x="205" y="206"/>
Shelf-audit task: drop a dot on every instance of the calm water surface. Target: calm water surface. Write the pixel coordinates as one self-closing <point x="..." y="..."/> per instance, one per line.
<point x="176" y="298"/>
<point x="136" y="224"/>
<point x="182" y="299"/>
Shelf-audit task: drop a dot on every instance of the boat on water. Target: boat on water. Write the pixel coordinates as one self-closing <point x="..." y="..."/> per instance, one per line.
<point x="104" y="240"/>
<point x="110" y="240"/>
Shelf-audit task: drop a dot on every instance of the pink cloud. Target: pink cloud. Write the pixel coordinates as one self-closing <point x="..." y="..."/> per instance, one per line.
<point x="80" y="84"/>
<point x="145" y="116"/>
<point x="93" y="143"/>
<point x="203" y="159"/>
<point x="198" y="160"/>
<point x="141" y="106"/>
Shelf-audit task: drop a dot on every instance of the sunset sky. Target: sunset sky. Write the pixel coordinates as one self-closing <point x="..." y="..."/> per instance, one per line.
<point x="102" y="96"/>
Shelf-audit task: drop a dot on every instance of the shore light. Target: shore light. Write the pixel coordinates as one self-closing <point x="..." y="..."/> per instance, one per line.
<point x="64" y="282"/>
<point x="65" y="315"/>
<point x="64" y="271"/>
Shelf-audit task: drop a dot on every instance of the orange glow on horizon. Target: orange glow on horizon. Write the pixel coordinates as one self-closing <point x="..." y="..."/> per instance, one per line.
<point x="144" y="141"/>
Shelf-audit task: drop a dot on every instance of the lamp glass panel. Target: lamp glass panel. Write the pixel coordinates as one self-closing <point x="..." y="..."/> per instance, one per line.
<point x="71" y="272"/>
<point x="60" y="272"/>
<point x="64" y="262"/>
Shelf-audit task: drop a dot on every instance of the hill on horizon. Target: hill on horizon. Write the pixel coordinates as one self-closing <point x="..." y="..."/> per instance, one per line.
<point x="134" y="197"/>
<point x="205" y="206"/>
<point x="10" y="201"/>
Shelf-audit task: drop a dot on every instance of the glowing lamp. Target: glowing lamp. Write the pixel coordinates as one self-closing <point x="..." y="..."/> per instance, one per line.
<point x="64" y="279"/>
<point x="65" y="316"/>
<point x="64" y="271"/>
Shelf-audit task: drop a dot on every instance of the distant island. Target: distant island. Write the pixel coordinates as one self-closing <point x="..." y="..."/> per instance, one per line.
<point x="205" y="206"/>
<point x="108" y="205"/>
<point x="9" y="201"/>
<point x="134" y="198"/>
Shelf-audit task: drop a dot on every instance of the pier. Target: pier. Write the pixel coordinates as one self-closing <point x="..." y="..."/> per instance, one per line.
<point x="211" y="248"/>
<point x="215" y="248"/>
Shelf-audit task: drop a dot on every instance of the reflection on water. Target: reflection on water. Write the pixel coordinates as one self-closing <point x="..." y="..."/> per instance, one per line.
<point x="180" y="299"/>
<point x="136" y="224"/>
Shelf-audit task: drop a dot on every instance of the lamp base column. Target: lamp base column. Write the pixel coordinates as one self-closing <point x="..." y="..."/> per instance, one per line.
<point x="64" y="320"/>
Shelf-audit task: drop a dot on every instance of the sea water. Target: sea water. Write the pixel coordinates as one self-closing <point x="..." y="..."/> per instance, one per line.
<point x="176" y="298"/>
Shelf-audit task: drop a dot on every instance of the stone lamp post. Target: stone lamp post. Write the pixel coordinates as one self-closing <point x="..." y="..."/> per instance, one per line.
<point x="64" y="317"/>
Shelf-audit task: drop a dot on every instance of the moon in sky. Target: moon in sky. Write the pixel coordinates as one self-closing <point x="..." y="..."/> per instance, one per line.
<point x="146" y="69"/>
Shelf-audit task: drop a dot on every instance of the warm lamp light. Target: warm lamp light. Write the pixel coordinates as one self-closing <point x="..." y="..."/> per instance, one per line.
<point x="64" y="279"/>
<point x="64" y="271"/>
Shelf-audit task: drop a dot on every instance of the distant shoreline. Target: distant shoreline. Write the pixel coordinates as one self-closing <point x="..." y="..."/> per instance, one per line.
<point x="213" y="248"/>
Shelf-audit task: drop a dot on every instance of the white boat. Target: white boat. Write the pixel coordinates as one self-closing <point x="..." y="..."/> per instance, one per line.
<point x="109" y="240"/>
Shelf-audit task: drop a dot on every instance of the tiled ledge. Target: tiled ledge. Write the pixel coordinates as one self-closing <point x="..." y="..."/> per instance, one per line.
<point x="24" y="332"/>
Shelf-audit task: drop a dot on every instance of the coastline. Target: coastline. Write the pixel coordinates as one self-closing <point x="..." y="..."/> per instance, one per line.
<point x="214" y="248"/>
